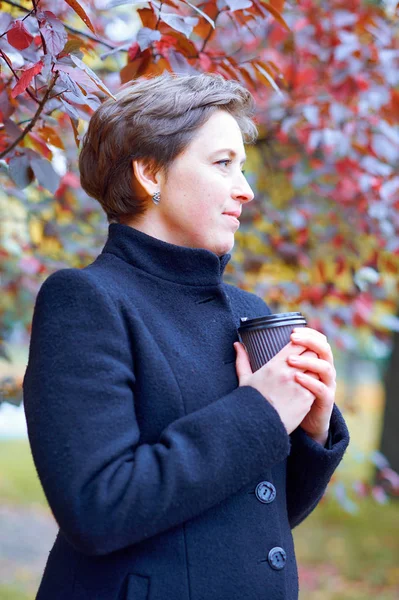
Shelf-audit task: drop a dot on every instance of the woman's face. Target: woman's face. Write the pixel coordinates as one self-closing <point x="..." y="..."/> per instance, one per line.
<point x="204" y="183"/>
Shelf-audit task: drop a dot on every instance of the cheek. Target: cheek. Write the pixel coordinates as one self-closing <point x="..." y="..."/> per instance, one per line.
<point x="199" y="212"/>
<point x="201" y="197"/>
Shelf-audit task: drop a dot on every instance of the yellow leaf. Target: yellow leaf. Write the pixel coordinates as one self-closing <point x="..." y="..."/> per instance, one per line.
<point x="51" y="247"/>
<point x="72" y="46"/>
<point x="49" y="135"/>
<point x="36" y="231"/>
<point x="273" y="11"/>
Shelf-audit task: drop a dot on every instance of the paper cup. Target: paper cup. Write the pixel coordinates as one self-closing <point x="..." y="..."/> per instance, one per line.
<point x="264" y="337"/>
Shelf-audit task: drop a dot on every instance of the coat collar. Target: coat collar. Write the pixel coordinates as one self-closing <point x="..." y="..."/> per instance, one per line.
<point x="180" y="264"/>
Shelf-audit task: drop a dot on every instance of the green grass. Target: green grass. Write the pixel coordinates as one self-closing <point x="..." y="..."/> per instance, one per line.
<point x="358" y="550"/>
<point x="19" y="483"/>
<point x="12" y="593"/>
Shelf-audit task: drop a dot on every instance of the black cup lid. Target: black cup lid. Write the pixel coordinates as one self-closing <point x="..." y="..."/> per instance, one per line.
<point x="274" y="320"/>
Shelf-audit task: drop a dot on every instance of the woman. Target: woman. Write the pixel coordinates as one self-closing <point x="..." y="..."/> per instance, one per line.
<point x="173" y="471"/>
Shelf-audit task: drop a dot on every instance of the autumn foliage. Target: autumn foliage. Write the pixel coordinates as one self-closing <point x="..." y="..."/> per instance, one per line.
<point x="322" y="235"/>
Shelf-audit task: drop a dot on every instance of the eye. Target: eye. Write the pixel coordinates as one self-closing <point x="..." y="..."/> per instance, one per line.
<point x="228" y="160"/>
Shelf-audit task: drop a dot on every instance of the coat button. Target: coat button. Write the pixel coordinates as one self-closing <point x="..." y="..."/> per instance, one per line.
<point x="265" y="492"/>
<point x="277" y="558"/>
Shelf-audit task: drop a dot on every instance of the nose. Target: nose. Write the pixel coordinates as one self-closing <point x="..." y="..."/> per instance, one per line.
<point x="243" y="191"/>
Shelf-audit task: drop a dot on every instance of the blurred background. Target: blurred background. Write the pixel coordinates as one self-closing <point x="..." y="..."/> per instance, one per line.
<point x="321" y="236"/>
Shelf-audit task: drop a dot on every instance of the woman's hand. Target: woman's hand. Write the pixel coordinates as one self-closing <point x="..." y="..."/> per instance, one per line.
<point x="277" y="383"/>
<point x="318" y="375"/>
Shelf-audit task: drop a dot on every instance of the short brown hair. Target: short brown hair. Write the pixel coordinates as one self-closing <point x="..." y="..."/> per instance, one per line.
<point x="153" y="119"/>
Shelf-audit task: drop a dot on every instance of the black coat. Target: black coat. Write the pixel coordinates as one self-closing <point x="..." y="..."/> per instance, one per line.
<point x="167" y="480"/>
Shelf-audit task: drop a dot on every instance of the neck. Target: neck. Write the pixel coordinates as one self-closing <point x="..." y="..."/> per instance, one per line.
<point x="154" y="224"/>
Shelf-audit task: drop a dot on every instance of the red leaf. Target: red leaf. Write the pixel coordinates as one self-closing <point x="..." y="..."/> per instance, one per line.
<point x="133" y="51"/>
<point x="18" y="36"/>
<point x="322" y="269"/>
<point x="26" y="78"/>
<point x="339" y="265"/>
<point x="79" y="11"/>
<point x="306" y="76"/>
<point x="338" y="241"/>
<point x="205" y="61"/>
<point x="303" y="236"/>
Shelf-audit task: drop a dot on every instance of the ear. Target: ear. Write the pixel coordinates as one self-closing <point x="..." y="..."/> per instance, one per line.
<point x="147" y="175"/>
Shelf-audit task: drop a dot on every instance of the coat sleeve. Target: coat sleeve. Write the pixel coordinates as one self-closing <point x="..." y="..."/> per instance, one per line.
<point x="310" y="467"/>
<point x="105" y="488"/>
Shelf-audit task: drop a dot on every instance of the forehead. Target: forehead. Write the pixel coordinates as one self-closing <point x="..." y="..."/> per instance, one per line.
<point x="220" y="132"/>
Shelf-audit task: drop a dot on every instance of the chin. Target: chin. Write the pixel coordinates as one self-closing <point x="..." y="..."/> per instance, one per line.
<point x="223" y="247"/>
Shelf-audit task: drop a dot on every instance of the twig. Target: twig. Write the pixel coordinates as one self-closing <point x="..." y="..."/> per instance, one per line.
<point x="19" y="123"/>
<point x="159" y="15"/>
<point x="68" y="27"/>
<point x="29" y="127"/>
<point x="211" y="31"/>
<point x="17" y="78"/>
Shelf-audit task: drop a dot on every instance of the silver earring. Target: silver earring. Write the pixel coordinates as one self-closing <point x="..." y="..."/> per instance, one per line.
<point x="156" y="197"/>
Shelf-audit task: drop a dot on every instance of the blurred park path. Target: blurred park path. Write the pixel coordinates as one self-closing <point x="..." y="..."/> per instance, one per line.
<point x="27" y="535"/>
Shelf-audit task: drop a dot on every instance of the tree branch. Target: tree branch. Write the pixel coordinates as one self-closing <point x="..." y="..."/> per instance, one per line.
<point x="20" y="123"/>
<point x="211" y="31"/>
<point x="68" y="27"/>
<point x="29" y="127"/>
<point x="17" y="78"/>
<point x="159" y="15"/>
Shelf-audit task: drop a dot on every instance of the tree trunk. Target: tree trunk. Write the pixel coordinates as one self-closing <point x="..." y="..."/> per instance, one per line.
<point x="389" y="446"/>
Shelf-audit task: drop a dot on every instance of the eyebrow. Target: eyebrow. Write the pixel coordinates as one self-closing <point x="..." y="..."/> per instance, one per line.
<point x="231" y="152"/>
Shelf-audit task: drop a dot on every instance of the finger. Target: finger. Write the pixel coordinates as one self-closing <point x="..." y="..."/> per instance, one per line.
<point x="309" y="331"/>
<point x="318" y="388"/>
<point x="315" y="343"/>
<point x="314" y="375"/>
<point x="305" y="333"/>
<point x="309" y="354"/>
<point x="319" y="366"/>
<point x="306" y="353"/>
<point x="297" y="351"/>
<point x="289" y="349"/>
<point x="243" y="366"/>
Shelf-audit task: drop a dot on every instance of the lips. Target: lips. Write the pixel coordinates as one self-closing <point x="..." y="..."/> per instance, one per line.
<point x="233" y="219"/>
<point x="235" y="214"/>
